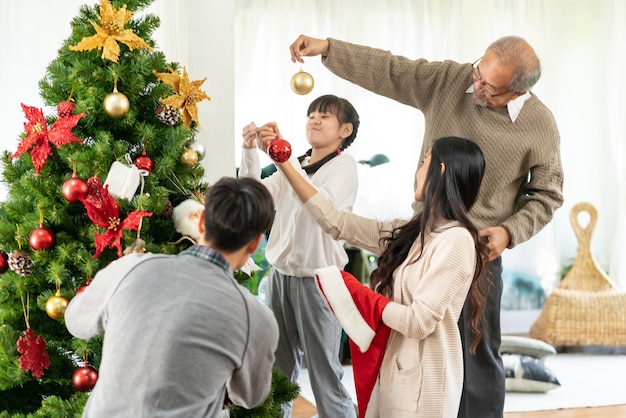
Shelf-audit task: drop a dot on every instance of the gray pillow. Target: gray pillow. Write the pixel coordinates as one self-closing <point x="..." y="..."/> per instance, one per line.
<point x="526" y="346"/>
<point x="527" y="374"/>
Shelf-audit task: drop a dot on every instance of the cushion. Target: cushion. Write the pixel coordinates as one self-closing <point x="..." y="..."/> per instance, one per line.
<point x="527" y="374"/>
<point x="526" y="346"/>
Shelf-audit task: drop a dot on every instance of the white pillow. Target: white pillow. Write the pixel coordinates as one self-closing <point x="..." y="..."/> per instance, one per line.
<point x="527" y="374"/>
<point x="526" y="346"/>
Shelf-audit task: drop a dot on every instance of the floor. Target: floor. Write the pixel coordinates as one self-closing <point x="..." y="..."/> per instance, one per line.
<point x="304" y="409"/>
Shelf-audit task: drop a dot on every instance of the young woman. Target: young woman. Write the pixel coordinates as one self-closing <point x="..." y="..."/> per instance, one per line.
<point x="428" y="267"/>
<point x="297" y="246"/>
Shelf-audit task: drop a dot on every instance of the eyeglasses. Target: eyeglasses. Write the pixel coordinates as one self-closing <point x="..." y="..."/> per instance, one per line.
<point x="486" y="86"/>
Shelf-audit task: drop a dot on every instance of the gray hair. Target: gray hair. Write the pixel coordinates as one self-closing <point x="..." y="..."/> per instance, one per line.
<point x="516" y="52"/>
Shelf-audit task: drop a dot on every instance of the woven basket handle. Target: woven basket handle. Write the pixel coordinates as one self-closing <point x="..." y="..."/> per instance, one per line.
<point x="585" y="273"/>
<point x="583" y="234"/>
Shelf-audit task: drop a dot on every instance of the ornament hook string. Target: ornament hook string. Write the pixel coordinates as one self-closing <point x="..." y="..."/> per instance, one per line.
<point x="25" y="308"/>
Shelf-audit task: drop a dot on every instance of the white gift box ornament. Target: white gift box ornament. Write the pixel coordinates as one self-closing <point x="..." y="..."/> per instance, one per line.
<point x="123" y="180"/>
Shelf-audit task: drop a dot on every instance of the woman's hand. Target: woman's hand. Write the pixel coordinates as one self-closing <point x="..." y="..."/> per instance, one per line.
<point x="266" y="134"/>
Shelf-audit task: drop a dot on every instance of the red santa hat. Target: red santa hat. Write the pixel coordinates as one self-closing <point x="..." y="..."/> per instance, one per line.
<point x="359" y="311"/>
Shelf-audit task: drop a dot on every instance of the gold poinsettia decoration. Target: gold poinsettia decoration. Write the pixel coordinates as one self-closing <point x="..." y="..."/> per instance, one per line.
<point x="110" y="32"/>
<point x="187" y="94"/>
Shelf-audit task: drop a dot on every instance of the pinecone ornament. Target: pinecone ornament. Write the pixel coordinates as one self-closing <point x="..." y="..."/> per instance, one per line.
<point x="20" y="262"/>
<point x="65" y="108"/>
<point x="169" y="209"/>
<point x="167" y="114"/>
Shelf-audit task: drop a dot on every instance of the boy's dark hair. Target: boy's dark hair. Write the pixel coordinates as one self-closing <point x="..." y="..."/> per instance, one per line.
<point x="237" y="210"/>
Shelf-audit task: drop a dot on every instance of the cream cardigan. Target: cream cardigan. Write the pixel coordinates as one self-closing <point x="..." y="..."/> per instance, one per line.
<point x="422" y="370"/>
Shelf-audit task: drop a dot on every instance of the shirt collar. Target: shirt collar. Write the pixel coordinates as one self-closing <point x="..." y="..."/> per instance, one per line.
<point x="513" y="106"/>
<point x="209" y="255"/>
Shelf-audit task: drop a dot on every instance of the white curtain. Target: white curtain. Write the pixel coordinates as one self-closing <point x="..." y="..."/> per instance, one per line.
<point x="616" y="106"/>
<point x="581" y="45"/>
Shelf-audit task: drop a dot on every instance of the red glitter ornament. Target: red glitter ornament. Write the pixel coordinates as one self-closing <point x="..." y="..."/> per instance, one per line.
<point x="143" y="162"/>
<point x="65" y="109"/>
<point x="41" y="238"/>
<point x="74" y="189"/>
<point x="104" y="211"/>
<point x="279" y="150"/>
<point x="4" y="262"/>
<point x="39" y="136"/>
<point x="85" y="378"/>
<point x="33" y="350"/>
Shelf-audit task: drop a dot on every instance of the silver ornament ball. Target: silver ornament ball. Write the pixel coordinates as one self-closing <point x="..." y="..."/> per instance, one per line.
<point x="197" y="147"/>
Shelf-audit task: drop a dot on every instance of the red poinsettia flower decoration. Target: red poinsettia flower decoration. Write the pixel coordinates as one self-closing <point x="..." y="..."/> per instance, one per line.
<point x="34" y="357"/>
<point x="38" y="137"/>
<point x="103" y="210"/>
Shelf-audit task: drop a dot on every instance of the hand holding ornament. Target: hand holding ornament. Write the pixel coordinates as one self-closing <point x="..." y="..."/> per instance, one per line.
<point x="278" y="149"/>
<point x="270" y="140"/>
<point x="266" y="134"/>
<point x="305" y="46"/>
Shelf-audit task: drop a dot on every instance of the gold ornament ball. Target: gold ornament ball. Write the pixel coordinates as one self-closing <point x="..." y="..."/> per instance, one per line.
<point x="189" y="157"/>
<point x="55" y="306"/>
<point x="116" y="104"/>
<point x="302" y="82"/>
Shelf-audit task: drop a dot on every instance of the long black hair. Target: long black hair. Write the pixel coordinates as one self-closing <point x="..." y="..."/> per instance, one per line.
<point x="345" y="113"/>
<point x="448" y="195"/>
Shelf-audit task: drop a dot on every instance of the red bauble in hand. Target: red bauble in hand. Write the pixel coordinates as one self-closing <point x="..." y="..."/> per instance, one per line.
<point x="41" y="238"/>
<point x="143" y="162"/>
<point x="74" y="189"/>
<point x="84" y="378"/>
<point x="279" y="150"/>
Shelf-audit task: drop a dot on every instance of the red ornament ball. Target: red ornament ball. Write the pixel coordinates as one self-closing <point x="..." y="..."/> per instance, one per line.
<point x="41" y="238"/>
<point x="65" y="108"/>
<point x="279" y="150"/>
<point x="4" y="262"/>
<point x="74" y="189"/>
<point x="143" y="162"/>
<point x="84" y="378"/>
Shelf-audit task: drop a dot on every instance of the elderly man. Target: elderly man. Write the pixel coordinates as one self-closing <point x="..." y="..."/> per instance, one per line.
<point x="489" y="102"/>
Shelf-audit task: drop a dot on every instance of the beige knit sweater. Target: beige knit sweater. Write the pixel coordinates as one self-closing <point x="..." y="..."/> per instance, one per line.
<point x="523" y="181"/>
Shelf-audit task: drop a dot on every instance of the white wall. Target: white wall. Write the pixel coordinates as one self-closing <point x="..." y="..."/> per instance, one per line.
<point x="33" y="30"/>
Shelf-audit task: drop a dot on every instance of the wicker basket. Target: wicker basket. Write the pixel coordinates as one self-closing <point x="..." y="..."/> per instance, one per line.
<point x="586" y="309"/>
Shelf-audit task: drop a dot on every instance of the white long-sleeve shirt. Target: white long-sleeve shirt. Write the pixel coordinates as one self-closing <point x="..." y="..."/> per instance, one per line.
<point x="297" y="245"/>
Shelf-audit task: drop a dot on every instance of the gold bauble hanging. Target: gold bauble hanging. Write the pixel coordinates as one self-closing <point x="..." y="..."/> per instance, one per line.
<point x="188" y="157"/>
<point x="116" y="104"/>
<point x="56" y="305"/>
<point x="302" y="82"/>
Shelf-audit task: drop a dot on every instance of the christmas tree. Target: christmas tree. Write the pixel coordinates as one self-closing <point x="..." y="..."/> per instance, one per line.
<point x="97" y="175"/>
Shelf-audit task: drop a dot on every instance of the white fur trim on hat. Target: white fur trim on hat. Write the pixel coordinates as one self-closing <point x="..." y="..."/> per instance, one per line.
<point x="337" y="297"/>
